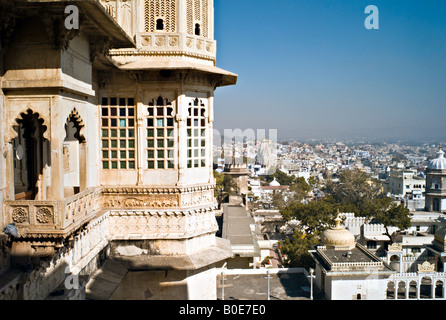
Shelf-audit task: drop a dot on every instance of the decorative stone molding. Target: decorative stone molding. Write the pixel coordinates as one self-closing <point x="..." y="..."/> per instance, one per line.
<point x="19" y="215"/>
<point x="44" y="215"/>
<point x="395" y="247"/>
<point x="426" y="267"/>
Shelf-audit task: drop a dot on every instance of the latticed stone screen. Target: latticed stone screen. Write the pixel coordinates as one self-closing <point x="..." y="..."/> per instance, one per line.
<point x="197" y="13"/>
<point x="118" y="133"/>
<point x="156" y="10"/>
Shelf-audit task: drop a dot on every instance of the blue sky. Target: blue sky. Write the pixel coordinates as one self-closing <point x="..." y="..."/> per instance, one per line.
<point x="310" y="68"/>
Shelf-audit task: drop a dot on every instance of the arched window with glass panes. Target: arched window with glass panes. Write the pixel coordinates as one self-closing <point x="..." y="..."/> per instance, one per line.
<point x="118" y="133"/>
<point x="160" y="134"/>
<point x="196" y="134"/>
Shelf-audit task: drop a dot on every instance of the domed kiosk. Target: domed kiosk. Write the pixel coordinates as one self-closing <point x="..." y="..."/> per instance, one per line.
<point x="344" y="267"/>
<point x="436" y="184"/>
<point x="338" y="237"/>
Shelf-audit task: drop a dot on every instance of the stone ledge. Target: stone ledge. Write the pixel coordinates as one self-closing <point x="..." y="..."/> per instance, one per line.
<point x="192" y="261"/>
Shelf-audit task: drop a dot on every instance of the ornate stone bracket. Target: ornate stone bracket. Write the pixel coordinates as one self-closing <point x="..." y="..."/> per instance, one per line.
<point x="100" y="46"/>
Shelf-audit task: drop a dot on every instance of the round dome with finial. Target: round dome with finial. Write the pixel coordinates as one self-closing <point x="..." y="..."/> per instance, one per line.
<point x="338" y="237"/>
<point x="274" y="183"/>
<point x="438" y="163"/>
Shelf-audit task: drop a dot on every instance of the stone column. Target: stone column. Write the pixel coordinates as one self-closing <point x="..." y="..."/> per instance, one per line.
<point x="181" y="118"/>
<point x="57" y="172"/>
<point x="140" y="141"/>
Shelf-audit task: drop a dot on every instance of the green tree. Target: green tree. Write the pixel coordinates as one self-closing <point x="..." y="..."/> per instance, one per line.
<point x="396" y="216"/>
<point x="297" y="248"/>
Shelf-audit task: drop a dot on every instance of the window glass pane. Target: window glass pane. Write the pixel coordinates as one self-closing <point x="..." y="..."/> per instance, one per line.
<point x="160" y="132"/>
<point x="123" y="164"/>
<point x="170" y="122"/>
<point x="122" y="122"/>
<point x="160" y="164"/>
<point x="131" y="112"/>
<point x="150" y="122"/>
<point x="203" y="143"/>
<point x="131" y="164"/>
<point x="114" y="164"/>
<point x="122" y="102"/>
<point x="123" y="154"/>
<point x="122" y="133"/>
<point x="159" y="122"/>
<point x="131" y="154"/>
<point x="203" y="164"/>
<point x="150" y="110"/>
<point x="160" y="154"/>
<point x="196" y="163"/>
<point x="196" y="153"/>
<point x="104" y="112"/>
<point x="113" y="122"/>
<point x="150" y="164"/>
<point x="170" y="164"/>
<point x="104" y="143"/>
<point x="170" y="143"/>
<point x="104" y="132"/>
<point x="104" y="164"/>
<point x="195" y="142"/>
<point x="150" y="132"/>
<point x="105" y="122"/>
<point x="203" y="133"/>
<point x="114" y="154"/>
<point x="113" y="111"/>
<point x="189" y="132"/>
<point x="203" y="152"/>
<point x="113" y="133"/>
<point x="131" y="133"/>
<point x="189" y="164"/>
<point x="114" y="143"/>
<point x="159" y="111"/>
<point x="150" y="154"/>
<point x="160" y="143"/>
<point x="130" y="102"/>
<point x="105" y="154"/>
<point x="113" y="101"/>
<point x="104" y="101"/>
<point x="169" y="132"/>
<point x="131" y="122"/>
<point x="150" y="143"/>
<point x="121" y="110"/>
<point x="131" y="143"/>
<point x="122" y="143"/>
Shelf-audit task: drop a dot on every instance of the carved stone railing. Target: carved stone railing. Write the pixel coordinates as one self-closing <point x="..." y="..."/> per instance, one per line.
<point x="52" y="218"/>
<point x="173" y="44"/>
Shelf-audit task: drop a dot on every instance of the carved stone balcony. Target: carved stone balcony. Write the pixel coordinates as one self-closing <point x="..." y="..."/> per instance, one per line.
<point x="50" y="218"/>
<point x="172" y="44"/>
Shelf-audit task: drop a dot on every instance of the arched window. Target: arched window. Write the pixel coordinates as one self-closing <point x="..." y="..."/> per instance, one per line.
<point x="118" y="133"/>
<point x="196" y="134"/>
<point x="435" y="204"/>
<point x="28" y="163"/>
<point x="160" y="134"/>
<point x="197" y="29"/>
<point x="159" y="24"/>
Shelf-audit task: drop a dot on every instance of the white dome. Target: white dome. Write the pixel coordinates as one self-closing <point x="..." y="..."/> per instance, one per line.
<point x="338" y="237"/>
<point x="438" y="163"/>
<point x="274" y="183"/>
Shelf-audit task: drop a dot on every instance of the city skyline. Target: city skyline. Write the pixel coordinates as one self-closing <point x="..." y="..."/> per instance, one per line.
<point x="312" y="70"/>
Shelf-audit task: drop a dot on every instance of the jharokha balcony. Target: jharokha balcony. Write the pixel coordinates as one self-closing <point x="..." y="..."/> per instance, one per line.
<point x="55" y="219"/>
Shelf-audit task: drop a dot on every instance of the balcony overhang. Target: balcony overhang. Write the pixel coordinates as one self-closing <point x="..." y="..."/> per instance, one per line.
<point x="94" y="20"/>
<point x="226" y="78"/>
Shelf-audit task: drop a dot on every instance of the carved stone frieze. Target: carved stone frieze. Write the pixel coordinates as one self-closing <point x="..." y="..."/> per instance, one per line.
<point x="19" y="215"/>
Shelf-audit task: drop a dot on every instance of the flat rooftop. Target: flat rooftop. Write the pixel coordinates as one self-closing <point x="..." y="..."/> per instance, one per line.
<point x="283" y="286"/>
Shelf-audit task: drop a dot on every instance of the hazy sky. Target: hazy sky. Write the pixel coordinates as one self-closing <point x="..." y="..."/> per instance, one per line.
<point x="310" y="68"/>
